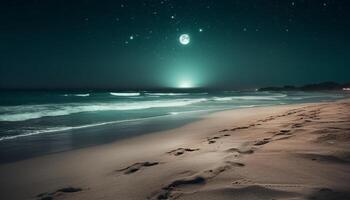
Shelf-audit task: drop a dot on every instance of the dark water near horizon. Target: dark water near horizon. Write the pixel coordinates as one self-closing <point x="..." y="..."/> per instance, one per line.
<point x="39" y="123"/>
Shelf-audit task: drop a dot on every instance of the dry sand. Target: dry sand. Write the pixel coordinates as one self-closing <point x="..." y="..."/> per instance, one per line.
<point x="281" y="152"/>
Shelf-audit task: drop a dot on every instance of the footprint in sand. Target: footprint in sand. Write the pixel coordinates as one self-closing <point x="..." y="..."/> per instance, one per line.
<point x="137" y="166"/>
<point x="242" y="181"/>
<point x="166" y="192"/>
<point x="283" y="132"/>
<point x="173" y="190"/>
<point x="297" y="125"/>
<point x="213" y="139"/>
<point x="329" y="194"/>
<point x="262" y="142"/>
<point x="239" y="128"/>
<point x="181" y="151"/>
<point x="241" y="150"/>
<point x="283" y="138"/>
<point x="59" y="192"/>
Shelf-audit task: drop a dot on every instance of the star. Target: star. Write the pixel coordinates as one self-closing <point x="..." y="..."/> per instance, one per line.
<point x="200" y="30"/>
<point x="131" y="37"/>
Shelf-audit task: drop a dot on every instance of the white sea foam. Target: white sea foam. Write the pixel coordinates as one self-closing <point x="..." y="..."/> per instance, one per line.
<point x="208" y="110"/>
<point x="222" y="98"/>
<point x="21" y="113"/>
<point x="59" y="129"/>
<point x="82" y="95"/>
<point x="248" y="106"/>
<point x="125" y="94"/>
<point x="274" y="97"/>
<point x="35" y="132"/>
<point x="77" y="95"/>
<point x="167" y="94"/>
<point x="314" y="96"/>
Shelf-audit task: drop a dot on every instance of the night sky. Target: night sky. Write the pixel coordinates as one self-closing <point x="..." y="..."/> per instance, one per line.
<point x="135" y="44"/>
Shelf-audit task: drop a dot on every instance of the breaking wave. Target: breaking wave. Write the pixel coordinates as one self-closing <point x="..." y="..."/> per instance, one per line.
<point x="26" y="112"/>
<point x="77" y="95"/>
<point x="167" y="94"/>
<point x="125" y="94"/>
<point x="59" y="129"/>
<point x="275" y="97"/>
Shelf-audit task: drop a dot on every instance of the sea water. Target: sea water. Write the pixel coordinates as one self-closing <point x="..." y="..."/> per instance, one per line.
<point x="38" y="123"/>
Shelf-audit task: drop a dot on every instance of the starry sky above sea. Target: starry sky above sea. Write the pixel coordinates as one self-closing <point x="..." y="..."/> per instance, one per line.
<point x="234" y="44"/>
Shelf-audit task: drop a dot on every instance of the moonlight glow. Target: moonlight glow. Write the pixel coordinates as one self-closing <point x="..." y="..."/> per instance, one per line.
<point x="184" y="39"/>
<point x="185" y="84"/>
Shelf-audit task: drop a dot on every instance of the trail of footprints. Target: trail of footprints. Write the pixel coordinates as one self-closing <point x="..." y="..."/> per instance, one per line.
<point x="172" y="190"/>
<point x="137" y="166"/>
<point x="181" y="151"/>
<point x="306" y="117"/>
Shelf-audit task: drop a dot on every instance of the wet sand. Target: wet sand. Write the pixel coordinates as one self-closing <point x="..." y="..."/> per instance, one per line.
<point x="281" y="152"/>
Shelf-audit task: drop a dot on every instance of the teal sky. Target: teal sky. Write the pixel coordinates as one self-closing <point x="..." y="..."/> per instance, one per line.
<point x="135" y="44"/>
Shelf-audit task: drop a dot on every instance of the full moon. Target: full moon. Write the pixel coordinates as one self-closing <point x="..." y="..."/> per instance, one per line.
<point x="184" y="39"/>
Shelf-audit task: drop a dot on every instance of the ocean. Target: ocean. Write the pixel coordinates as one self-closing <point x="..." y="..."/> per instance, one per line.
<point x="39" y="123"/>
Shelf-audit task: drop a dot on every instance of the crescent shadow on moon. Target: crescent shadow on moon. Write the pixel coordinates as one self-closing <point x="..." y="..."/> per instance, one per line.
<point x="184" y="39"/>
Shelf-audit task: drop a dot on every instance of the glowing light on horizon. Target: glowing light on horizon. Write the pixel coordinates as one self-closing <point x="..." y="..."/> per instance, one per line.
<point x="185" y="84"/>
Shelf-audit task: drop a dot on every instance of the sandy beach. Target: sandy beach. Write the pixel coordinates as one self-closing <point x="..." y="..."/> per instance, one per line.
<point x="297" y="151"/>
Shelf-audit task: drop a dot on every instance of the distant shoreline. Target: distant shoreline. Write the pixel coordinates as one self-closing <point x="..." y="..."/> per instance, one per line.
<point x="324" y="86"/>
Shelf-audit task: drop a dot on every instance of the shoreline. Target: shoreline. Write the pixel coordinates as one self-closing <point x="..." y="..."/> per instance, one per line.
<point x="194" y="160"/>
<point x="146" y="127"/>
<point x="156" y="122"/>
<point x="104" y="127"/>
<point x="163" y="130"/>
